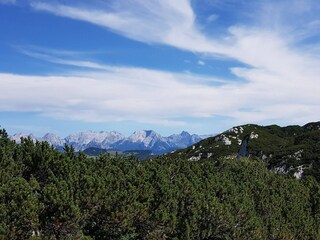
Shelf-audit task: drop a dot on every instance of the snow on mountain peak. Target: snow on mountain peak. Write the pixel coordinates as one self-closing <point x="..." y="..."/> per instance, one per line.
<point x="54" y="139"/>
<point x="17" y="137"/>
<point x="139" y="140"/>
<point x="87" y="136"/>
<point x="185" y="134"/>
<point x="100" y="139"/>
<point x="112" y="137"/>
<point x="144" y="136"/>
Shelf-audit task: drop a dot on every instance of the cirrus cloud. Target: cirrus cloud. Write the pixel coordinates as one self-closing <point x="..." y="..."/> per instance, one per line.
<point x="8" y="1"/>
<point x="280" y="81"/>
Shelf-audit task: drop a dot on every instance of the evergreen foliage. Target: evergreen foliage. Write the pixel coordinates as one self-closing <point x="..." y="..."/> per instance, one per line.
<point x="47" y="194"/>
<point x="283" y="149"/>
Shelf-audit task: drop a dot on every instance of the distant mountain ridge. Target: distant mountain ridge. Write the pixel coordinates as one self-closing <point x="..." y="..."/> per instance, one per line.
<point x="139" y="140"/>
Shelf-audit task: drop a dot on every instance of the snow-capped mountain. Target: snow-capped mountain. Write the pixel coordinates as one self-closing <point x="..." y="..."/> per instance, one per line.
<point x="54" y="139"/>
<point x="144" y="140"/>
<point x="139" y="140"/>
<point x="183" y="140"/>
<point x="17" y="137"/>
<point x="112" y="138"/>
<point x="102" y="139"/>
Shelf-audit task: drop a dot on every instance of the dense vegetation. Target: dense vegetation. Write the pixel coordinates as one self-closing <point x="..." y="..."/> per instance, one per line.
<point x="284" y="149"/>
<point x="139" y="154"/>
<point x="46" y="194"/>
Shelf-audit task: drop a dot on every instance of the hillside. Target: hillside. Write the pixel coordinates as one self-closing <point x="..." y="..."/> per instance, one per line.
<point x="47" y="194"/>
<point x="293" y="150"/>
<point x="139" y="154"/>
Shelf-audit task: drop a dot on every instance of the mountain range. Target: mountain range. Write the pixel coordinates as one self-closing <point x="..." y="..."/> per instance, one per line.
<point x="139" y="140"/>
<point x="292" y="150"/>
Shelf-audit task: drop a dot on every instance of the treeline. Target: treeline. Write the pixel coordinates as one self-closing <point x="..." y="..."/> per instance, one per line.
<point x="46" y="194"/>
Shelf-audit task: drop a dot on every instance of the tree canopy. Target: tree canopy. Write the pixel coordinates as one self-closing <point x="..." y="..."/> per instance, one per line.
<point x="47" y="194"/>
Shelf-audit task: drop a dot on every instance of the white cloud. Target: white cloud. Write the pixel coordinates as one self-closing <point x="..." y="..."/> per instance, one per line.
<point x="202" y="63"/>
<point x="116" y="94"/>
<point x="150" y="96"/>
<point x="7" y="1"/>
<point x="166" y="22"/>
<point x="281" y="80"/>
<point x="212" y="18"/>
<point x="173" y="23"/>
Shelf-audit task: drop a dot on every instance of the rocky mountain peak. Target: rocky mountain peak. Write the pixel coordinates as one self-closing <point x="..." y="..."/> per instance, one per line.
<point x="139" y="140"/>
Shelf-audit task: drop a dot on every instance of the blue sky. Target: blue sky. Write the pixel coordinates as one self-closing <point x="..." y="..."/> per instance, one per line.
<point x="201" y="66"/>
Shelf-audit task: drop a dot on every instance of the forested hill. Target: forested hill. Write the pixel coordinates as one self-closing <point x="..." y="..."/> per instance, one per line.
<point x="46" y="194"/>
<point x="292" y="150"/>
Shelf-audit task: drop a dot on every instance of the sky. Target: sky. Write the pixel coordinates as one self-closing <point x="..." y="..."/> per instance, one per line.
<point x="197" y="65"/>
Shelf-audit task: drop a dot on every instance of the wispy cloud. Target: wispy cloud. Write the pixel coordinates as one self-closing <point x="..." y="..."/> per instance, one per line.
<point x="212" y="18"/>
<point x="202" y="63"/>
<point x="281" y="80"/>
<point x="159" y="97"/>
<point x="7" y="1"/>
<point x="110" y="94"/>
<point x="63" y="57"/>
<point x="174" y="23"/>
<point x="166" y="22"/>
